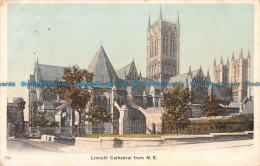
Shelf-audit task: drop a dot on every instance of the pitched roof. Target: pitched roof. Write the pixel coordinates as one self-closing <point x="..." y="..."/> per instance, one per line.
<point x="148" y="80"/>
<point x="50" y="73"/>
<point x="220" y="91"/>
<point x="124" y="70"/>
<point x="249" y="108"/>
<point x="102" y="68"/>
<point x="182" y="77"/>
<point x="235" y="104"/>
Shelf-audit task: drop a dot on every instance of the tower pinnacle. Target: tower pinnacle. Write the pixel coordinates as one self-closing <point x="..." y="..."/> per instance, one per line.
<point x="241" y="54"/>
<point x="160" y="13"/>
<point x="178" y="20"/>
<point x="149" y="23"/>
<point x="189" y="70"/>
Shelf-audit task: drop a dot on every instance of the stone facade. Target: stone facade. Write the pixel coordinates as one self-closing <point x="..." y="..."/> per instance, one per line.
<point x="163" y="50"/>
<point x="241" y="74"/>
<point x="132" y="104"/>
<point x="15" y="118"/>
<point x="221" y="71"/>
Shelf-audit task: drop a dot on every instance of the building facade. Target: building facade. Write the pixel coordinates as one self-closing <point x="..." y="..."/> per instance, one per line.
<point x="139" y="104"/>
<point x="163" y="50"/>
<point x="241" y="74"/>
<point x="221" y="71"/>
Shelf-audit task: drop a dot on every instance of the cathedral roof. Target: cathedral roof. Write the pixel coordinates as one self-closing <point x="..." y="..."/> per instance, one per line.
<point x="144" y="79"/>
<point x="102" y="68"/>
<point x="122" y="72"/>
<point x="220" y="91"/>
<point x="249" y="108"/>
<point x="50" y="73"/>
<point x="183" y="77"/>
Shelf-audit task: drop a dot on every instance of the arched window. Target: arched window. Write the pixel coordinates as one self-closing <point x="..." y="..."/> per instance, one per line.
<point x="171" y="47"/>
<point x="166" y="45"/>
<point x="156" y="46"/>
<point x="151" y="48"/>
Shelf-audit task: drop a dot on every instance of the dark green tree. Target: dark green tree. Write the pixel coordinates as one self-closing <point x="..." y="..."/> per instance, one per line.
<point x="98" y="114"/>
<point x="174" y="103"/>
<point x="41" y="120"/>
<point x="212" y="107"/>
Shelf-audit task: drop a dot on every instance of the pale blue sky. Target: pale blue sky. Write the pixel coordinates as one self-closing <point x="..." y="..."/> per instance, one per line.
<point x="64" y="35"/>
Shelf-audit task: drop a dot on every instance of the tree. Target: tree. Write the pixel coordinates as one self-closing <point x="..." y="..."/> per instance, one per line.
<point x="98" y="114"/>
<point x="41" y="120"/>
<point x="212" y="107"/>
<point x="77" y="97"/>
<point x="174" y="103"/>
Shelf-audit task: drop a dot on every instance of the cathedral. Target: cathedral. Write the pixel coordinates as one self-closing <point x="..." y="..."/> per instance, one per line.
<point x="132" y="105"/>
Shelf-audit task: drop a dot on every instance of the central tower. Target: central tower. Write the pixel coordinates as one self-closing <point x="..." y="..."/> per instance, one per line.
<point x="163" y="49"/>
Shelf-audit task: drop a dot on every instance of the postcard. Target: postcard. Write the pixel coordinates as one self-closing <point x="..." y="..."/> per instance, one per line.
<point x="129" y="83"/>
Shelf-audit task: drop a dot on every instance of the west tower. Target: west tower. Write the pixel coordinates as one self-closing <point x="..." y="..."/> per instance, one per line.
<point x="241" y="74"/>
<point x="163" y="49"/>
<point x="221" y="71"/>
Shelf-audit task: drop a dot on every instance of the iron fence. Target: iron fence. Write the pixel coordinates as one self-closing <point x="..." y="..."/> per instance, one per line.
<point x="138" y="127"/>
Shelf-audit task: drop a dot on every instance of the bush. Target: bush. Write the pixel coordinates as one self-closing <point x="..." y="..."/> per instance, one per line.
<point x="207" y="126"/>
<point x="233" y="124"/>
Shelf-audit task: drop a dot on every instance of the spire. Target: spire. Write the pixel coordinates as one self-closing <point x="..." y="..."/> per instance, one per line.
<point x="207" y="73"/>
<point x="221" y="61"/>
<point x="227" y="60"/>
<point x="214" y="61"/>
<point x="140" y="74"/>
<point x="160" y="13"/>
<point x="233" y="56"/>
<point x="241" y="53"/>
<point x="248" y="55"/>
<point x="178" y="20"/>
<point x="37" y="61"/>
<point x="149" y="23"/>
<point x="189" y="73"/>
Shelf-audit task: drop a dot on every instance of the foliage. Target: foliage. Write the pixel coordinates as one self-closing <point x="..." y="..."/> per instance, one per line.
<point x="232" y="124"/>
<point x="41" y="120"/>
<point x="98" y="114"/>
<point x="77" y="97"/>
<point x="174" y="102"/>
<point x="53" y="124"/>
<point x="212" y="107"/>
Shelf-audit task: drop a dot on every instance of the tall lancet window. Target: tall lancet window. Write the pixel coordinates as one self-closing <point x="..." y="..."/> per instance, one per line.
<point x="156" y="45"/>
<point x="164" y="44"/>
<point x="171" y="46"/>
<point x="151" y="48"/>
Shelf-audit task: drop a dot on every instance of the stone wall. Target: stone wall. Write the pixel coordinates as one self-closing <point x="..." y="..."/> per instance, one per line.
<point x="15" y="118"/>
